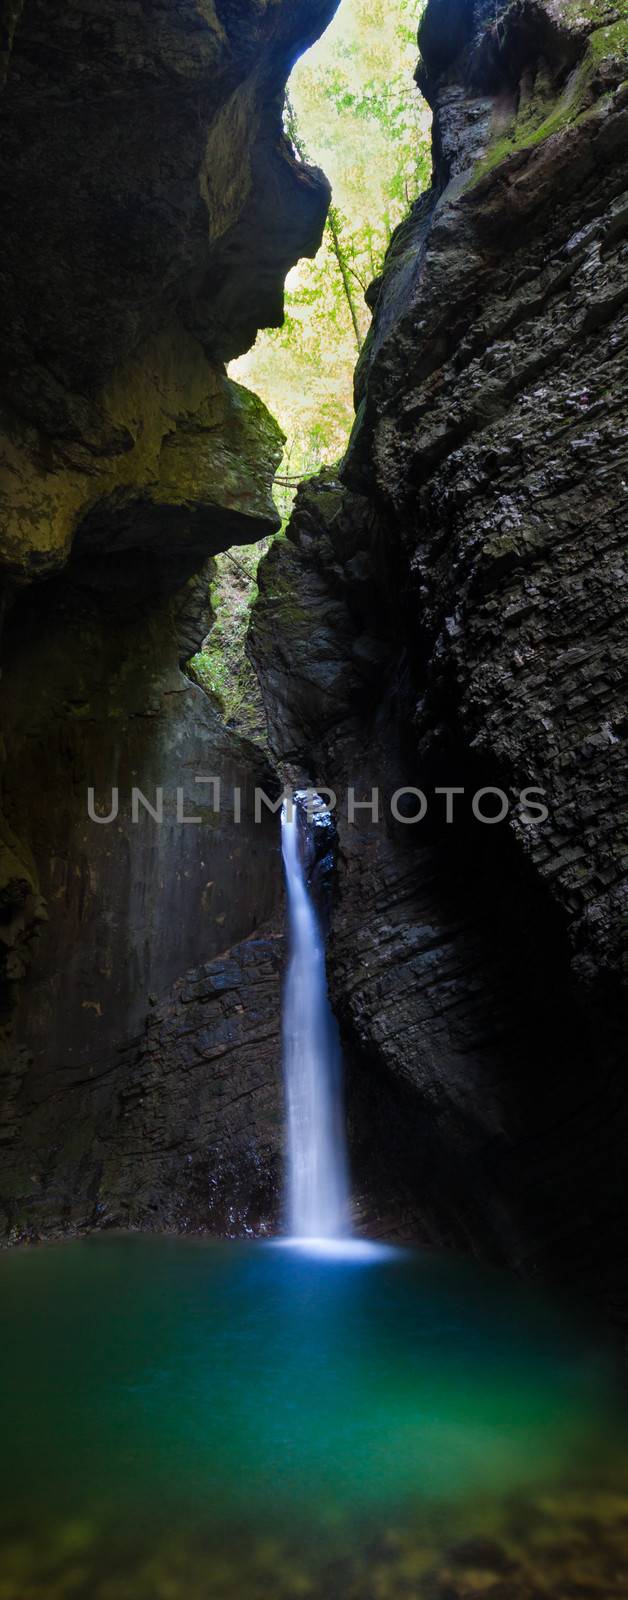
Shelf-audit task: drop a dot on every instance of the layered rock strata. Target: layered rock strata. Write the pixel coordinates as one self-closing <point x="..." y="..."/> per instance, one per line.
<point x="450" y="611"/>
<point x="179" y="1128"/>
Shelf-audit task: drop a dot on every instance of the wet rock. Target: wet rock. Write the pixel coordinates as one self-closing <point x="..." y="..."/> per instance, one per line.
<point x="114" y="1110"/>
<point x="179" y="1128"/>
<point x="318" y="842"/>
<point x="479" y="973"/>
<point x="489" y="432"/>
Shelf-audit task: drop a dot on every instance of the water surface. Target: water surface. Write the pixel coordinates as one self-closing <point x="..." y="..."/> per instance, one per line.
<point x="232" y="1419"/>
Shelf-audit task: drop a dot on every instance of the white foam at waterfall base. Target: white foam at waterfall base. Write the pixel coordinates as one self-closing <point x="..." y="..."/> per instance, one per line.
<point x="317" y="1178"/>
<point x="346" y="1249"/>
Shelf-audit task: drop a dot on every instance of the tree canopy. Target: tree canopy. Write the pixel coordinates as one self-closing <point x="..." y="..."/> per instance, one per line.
<point x="352" y="109"/>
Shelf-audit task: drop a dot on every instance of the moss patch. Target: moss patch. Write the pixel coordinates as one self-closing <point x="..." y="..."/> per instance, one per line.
<point x="180" y="434"/>
<point x="222" y="667"/>
<point x="543" y="112"/>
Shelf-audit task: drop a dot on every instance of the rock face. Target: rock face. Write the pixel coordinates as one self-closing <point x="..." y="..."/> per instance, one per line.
<point x="151" y="208"/>
<point x="493" y="396"/>
<point x="179" y="1128"/>
<point x="451" y="613"/>
<point x="143" y="151"/>
<point x="130" y="901"/>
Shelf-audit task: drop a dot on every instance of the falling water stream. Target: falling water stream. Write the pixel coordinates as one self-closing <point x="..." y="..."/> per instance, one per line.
<point x="317" y="1181"/>
<point x="225" y="1420"/>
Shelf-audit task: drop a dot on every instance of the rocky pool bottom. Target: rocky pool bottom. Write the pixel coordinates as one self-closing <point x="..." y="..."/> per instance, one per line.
<point x="200" y="1421"/>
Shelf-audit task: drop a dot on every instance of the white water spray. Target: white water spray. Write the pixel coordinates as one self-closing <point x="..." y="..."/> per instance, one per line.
<point x="317" y="1161"/>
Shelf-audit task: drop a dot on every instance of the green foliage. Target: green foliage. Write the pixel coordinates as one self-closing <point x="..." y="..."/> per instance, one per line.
<point x="354" y="110"/>
<point x="221" y="667"/>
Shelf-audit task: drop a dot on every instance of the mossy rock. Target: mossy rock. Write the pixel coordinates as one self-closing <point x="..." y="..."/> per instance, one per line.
<point x="545" y="109"/>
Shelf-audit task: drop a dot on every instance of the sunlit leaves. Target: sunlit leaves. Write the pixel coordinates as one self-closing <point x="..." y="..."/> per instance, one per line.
<point x="360" y="117"/>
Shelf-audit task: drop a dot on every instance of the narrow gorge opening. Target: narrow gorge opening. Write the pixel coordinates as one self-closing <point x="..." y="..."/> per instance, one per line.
<point x="352" y="109"/>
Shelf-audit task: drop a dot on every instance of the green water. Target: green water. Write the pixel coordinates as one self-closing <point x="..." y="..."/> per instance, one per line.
<point x="208" y="1419"/>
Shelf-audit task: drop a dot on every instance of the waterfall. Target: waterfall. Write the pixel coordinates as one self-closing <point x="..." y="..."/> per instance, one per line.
<point x="317" y="1181"/>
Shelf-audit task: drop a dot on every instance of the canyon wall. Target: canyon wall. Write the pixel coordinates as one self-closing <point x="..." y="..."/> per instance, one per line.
<point x="151" y="207"/>
<point x="449" y="610"/>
